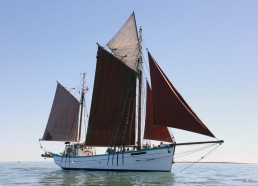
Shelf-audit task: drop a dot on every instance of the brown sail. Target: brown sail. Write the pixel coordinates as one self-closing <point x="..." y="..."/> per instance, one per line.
<point x="169" y="107"/>
<point x="154" y="132"/>
<point x="62" y="124"/>
<point x="112" y="116"/>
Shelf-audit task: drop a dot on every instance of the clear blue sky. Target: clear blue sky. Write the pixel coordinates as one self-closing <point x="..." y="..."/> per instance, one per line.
<point x="208" y="49"/>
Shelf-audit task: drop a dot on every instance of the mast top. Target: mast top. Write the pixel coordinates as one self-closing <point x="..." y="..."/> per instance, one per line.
<point x="140" y="50"/>
<point x="84" y="87"/>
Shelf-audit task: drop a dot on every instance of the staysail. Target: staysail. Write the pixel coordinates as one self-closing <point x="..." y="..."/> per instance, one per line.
<point x="154" y="132"/>
<point x="125" y="45"/>
<point x="112" y="115"/>
<point x="62" y="124"/>
<point x="169" y="107"/>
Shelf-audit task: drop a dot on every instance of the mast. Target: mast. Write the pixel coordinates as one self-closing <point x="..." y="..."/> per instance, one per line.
<point x="140" y="91"/>
<point x="82" y="102"/>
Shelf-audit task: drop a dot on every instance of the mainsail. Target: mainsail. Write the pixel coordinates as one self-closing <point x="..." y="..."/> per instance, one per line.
<point x="112" y="115"/>
<point x="125" y="44"/>
<point x="169" y="107"/>
<point x="154" y="132"/>
<point x="62" y="124"/>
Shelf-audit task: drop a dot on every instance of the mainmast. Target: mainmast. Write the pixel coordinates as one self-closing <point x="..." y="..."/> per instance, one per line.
<point x="82" y="102"/>
<point x="140" y="90"/>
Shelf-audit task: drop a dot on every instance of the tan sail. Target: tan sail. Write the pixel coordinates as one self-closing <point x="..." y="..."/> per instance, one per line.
<point x="112" y="116"/>
<point x="62" y="124"/>
<point x="169" y="107"/>
<point x="125" y="45"/>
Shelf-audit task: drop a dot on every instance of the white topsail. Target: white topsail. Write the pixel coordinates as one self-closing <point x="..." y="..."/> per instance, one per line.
<point x="125" y="44"/>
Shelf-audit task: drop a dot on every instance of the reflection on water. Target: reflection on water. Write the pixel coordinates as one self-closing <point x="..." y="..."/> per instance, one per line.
<point x="71" y="177"/>
<point x="47" y="173"/>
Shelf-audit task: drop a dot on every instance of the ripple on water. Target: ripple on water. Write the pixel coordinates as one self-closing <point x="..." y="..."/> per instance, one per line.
<point x="200" y="174"/>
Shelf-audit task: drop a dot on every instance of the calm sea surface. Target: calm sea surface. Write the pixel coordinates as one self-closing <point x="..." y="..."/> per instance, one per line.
<point x="47" y="173"/>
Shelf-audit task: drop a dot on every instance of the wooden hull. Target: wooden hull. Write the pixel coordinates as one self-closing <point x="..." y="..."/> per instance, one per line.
<point x="154" y="159"/>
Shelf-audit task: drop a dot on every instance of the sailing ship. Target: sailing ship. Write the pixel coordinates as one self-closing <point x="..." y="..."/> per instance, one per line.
<point x="116" y="115"/>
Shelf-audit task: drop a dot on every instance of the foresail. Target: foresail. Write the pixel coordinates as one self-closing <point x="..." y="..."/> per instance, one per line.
<point x="154" y="132"/>
<point x="169" y="107"/>
<point x="112" y="115"/>
<point x="62" y="124"/>
<point x="124" y="45"/>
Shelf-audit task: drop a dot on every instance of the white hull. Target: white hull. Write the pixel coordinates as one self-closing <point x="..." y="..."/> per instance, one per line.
<point x="154" y="159"/>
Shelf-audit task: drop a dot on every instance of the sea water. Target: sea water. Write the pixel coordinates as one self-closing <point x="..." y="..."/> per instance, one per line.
<point x="47" y="173"/>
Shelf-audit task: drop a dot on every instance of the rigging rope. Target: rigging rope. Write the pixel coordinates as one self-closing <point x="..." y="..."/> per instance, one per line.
<point x="85" y="114"/>
<point x="45" y="150"/>
<point x="200" y="158"/>
<point x="192" y="151"/>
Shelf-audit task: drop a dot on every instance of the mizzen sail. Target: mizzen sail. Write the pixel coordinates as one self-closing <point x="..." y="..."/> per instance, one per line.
<point x="169" y="107"/>
<point x="62" y="124"/>
<point x="154" y="132"/>
<point x="125" y="45"/>
<point x="112" y="115"/>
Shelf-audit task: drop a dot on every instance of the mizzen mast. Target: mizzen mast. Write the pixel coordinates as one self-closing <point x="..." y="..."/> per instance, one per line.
<point x="82" y="103"/>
